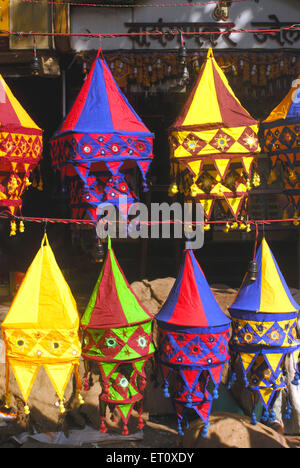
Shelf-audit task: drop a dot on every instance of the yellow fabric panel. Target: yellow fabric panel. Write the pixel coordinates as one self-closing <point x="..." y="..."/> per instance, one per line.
<point x="241" y="188"/>
<point x="220" y="189"/>
<point x="25" y="374"/>
<point x="265" y="394"/>
<point x="205" y="92"/>
<point x="273" y="360"/>
<point x="195" y="167"/>
<point x="222" y="166"/>
<point x="247" y="359"/>
<point x="234" y="204"/>
<point x="59" y="375"/>
<point x="4" y="17"/>
<point x="209" y="136"/>
<point x="24" y="118"/>
<point x="247" y="163"/>
<point x="44" y="300"/>
<point x="42" y="346"/>
<point x="273" y="296"/>
<point x="260" y="330"/>
<point x="280" y="111"/>
<point x="206" y="205"/>
<point x="21" y="149"/>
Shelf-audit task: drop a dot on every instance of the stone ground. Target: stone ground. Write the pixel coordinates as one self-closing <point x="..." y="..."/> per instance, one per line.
<point x="160" y="430"/>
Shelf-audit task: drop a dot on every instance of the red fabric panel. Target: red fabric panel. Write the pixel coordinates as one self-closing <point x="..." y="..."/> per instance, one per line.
<point x="216" y="373"/>
<point x="180" y="119"/>
<point x="233" y="114"/>
<point x="107" y="311"/>
<point x="8" y="115"/>
<point x="189" y="308"/>
<point x="190" y="376"/>
<point x="204" y="410"/>
<point x="123" y="118"/>
<point x="73" y="116"/>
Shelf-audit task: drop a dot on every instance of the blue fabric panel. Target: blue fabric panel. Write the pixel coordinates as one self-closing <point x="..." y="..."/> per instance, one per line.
<point x="249" y="295"/>
<point x="258" y="317"/>
<point x="191" y="330"/>
<point x="214" y="314"/>
<point x="167" y="310"/>
<point x="95" y="115"/>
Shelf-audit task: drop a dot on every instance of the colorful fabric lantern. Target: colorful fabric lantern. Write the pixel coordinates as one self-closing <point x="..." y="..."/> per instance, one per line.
<point x="281" y="141"/>
<point x="193" y="342"/>
<point x="99" y="145"/>
<point x="41" y="328"/>
<point x="264" y="316"/>
<point x="214" y="144"/>
<point x="117" y="335"/>
<point x="21" y="147"/>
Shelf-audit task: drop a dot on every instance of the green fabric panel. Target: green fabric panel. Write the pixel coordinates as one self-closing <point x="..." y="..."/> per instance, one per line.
<point x="126" y="354"/>
<point x="139" y="365"/>
<point x="94" y="351"/>
<point x="85" y="319"/>
<point x="96" y="334"/>
<point x="125" y="333"/>
<point x="132" y="309"/>
<point x="125" y="410"/>
<point x="107" y="367"/>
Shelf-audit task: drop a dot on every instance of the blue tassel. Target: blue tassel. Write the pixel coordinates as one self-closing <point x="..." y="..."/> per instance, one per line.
<point x="253" y="419"/>
<point x="228" y="385"/>
<point x="287" y="413"/>
<point x="166" y="391"/>
<point x="289" y="408"/>
<point x="205" y="431"/>
<point x="189" y="401"/>
<point x="215" y="393"/>
<point x="265" y="416"/>
<point x="231" y="379"/>
<point x="146" y="187"/>
<point x="180" y="431"/>
<point x="272" y="417"/>
<point x="186" y="423"/>
<point x="295" y="381"/>
<point x="246" y="381"/>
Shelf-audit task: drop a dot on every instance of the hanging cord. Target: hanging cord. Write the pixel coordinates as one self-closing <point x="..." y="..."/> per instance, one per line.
<point x="45" y="226"/>
<point x="100" y="53"/>
<point x="256" y="240"/>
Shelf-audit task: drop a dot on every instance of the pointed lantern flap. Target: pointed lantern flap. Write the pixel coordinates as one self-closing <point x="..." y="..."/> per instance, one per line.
<point x="13" y="115"/>
<point x="288" y="108"/>
<point x="102" y="107"/>
<point x="44" y="300"/>
<point x="269" y="293"/>
<point x="113" y="303"/>
<point x="222" y="108"/>
<point x="191" y="302"/>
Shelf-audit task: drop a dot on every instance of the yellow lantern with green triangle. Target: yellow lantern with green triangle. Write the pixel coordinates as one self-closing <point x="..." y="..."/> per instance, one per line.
<point x="264" y="317"/>
<point x="41" y="329"/>
<point x="214" y="144"/>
